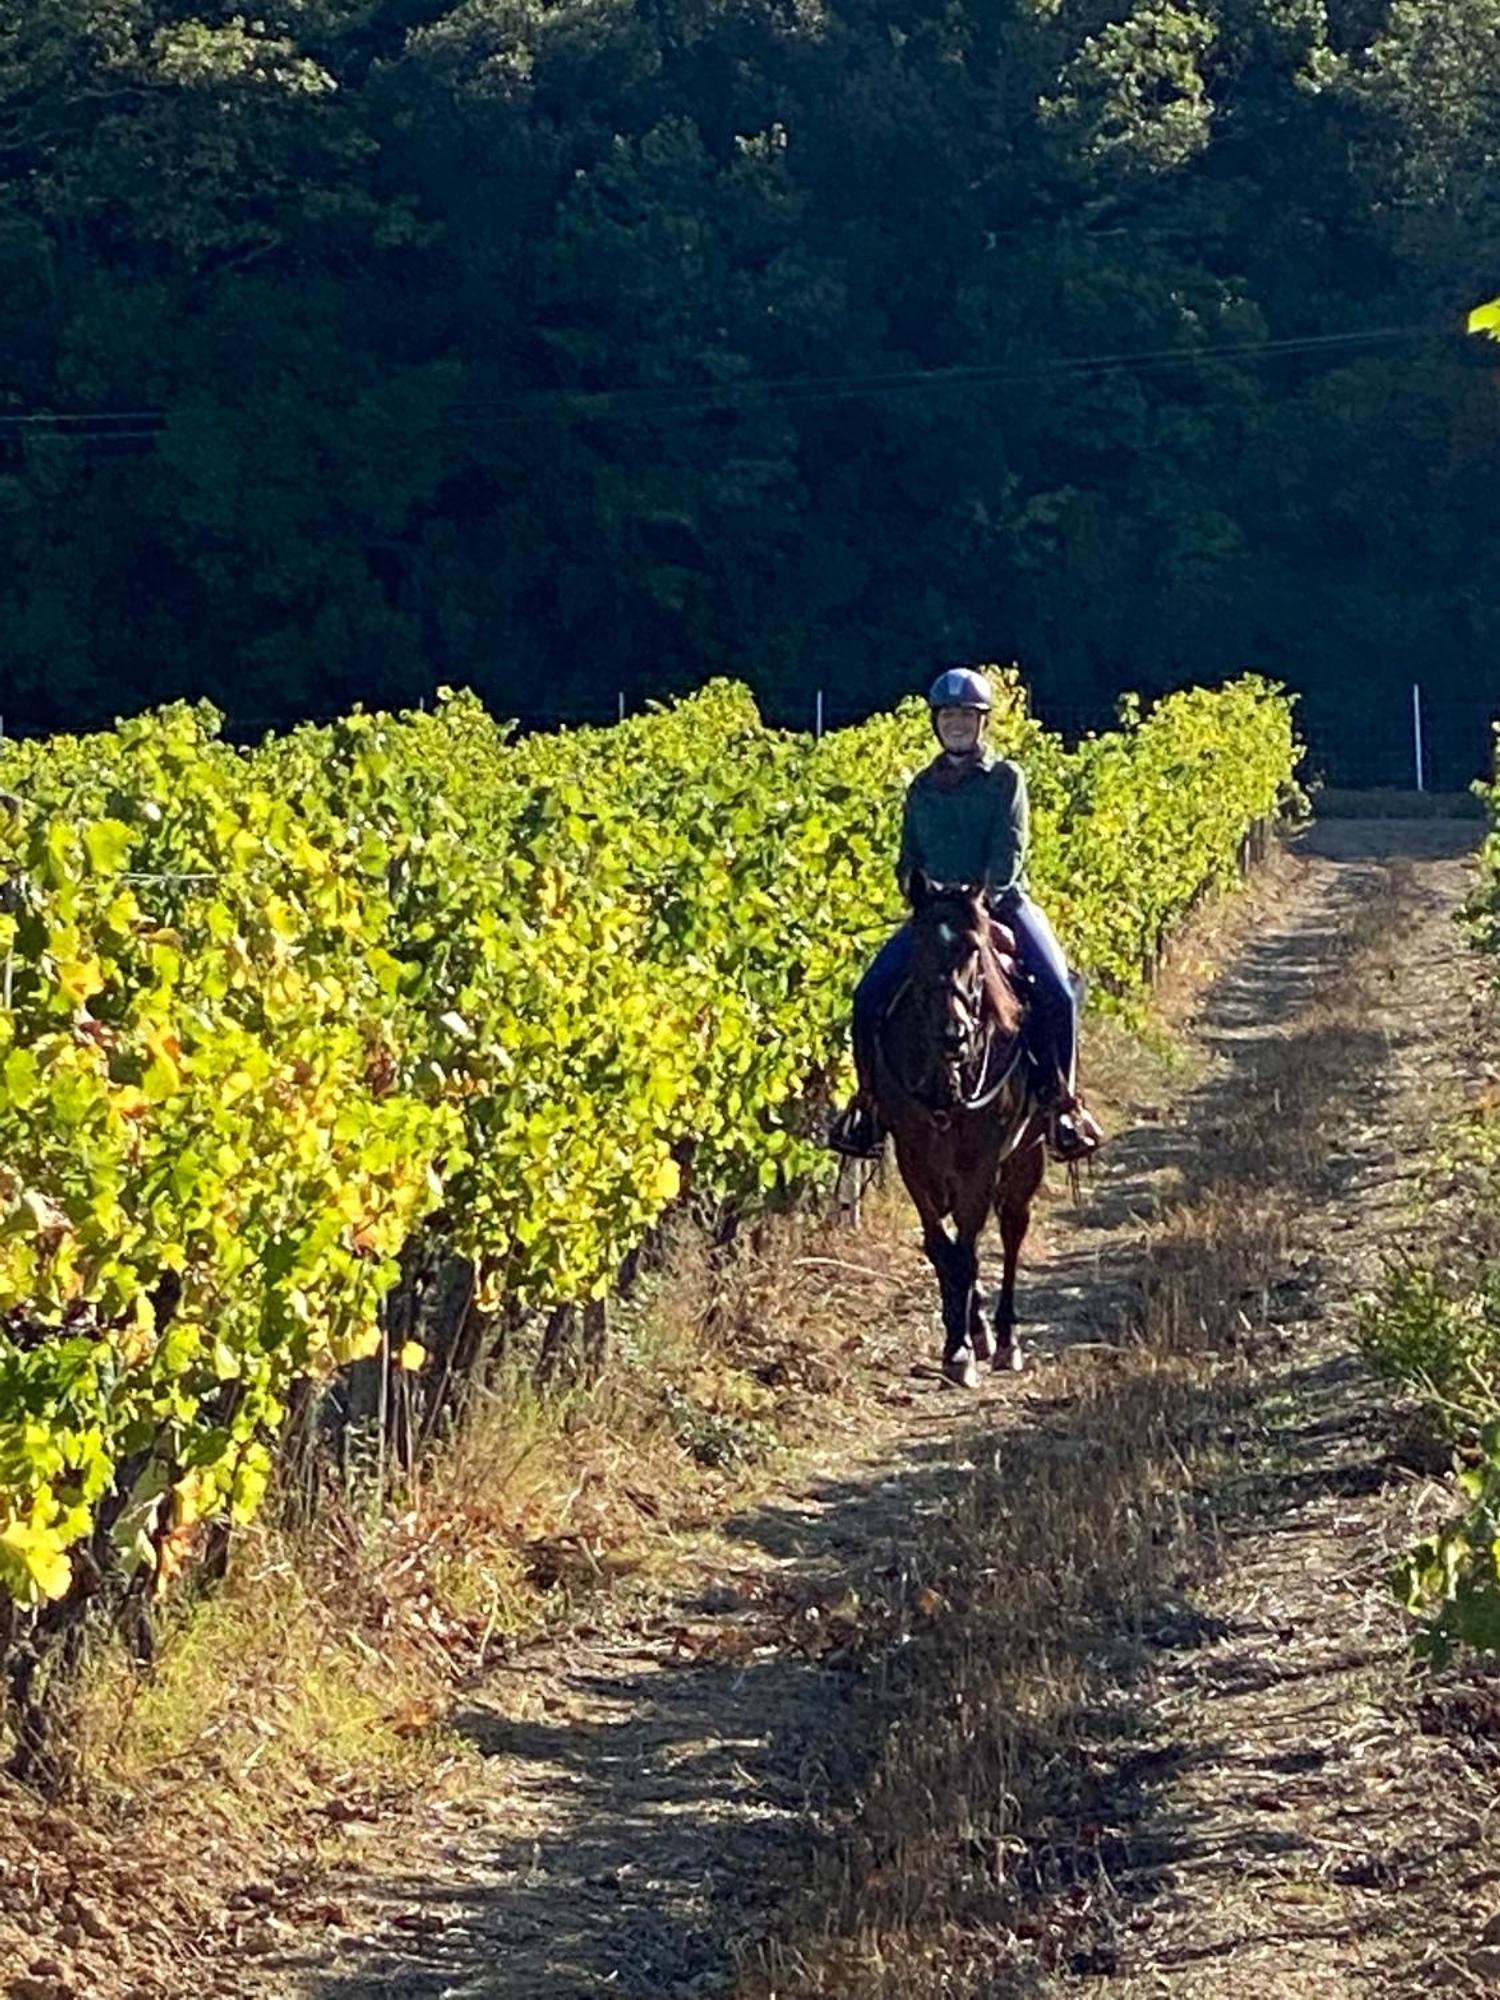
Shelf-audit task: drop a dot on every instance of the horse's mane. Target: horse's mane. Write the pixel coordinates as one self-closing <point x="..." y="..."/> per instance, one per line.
<point x="966" y="907"/>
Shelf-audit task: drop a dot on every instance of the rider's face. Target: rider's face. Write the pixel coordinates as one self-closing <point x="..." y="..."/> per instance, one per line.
<point x="959" y="729"/>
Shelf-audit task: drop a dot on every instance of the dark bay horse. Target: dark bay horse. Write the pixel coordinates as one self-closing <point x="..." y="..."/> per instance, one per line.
<point x="955" y="1089"/>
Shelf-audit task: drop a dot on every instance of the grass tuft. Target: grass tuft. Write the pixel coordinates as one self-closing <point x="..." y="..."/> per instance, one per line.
<point x="976" y="1838"/>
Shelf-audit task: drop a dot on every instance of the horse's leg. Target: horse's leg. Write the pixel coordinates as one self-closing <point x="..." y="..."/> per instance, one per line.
<point x="970" y="1213"/>
<point x="981" y="1333"/>
<point x="924" y="1180"/>
<point x="960" y="1363"/>
<point x="1020" y="1178"/>
<point x="955" y="1274"/>
<point x="927" y="1175"/>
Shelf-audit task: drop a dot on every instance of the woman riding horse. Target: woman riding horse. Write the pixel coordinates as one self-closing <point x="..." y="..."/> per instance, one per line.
<point x="966" y="822"/>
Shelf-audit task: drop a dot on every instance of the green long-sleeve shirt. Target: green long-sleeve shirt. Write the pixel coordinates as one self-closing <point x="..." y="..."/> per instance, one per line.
<point x="970" y="827"/>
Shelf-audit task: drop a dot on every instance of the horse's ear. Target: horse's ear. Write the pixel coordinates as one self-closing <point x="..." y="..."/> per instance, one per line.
<point x="918" y="891"/>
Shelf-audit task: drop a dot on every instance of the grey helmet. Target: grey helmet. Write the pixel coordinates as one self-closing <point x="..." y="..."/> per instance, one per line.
<point x="961" y="687"/>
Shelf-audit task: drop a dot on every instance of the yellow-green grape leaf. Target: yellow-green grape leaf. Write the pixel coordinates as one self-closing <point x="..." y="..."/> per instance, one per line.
<point x="34" y="1558"/>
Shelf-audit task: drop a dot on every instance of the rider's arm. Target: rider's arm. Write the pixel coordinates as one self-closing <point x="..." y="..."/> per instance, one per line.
<point x="910" y="858"/>
<point x="1010" y="831"/>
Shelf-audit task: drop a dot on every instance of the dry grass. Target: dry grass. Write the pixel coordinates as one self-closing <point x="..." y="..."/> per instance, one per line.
<point x="327" y="1644"/>
<point x="542" y="1499"/>
<point x="318" y="1678"/>
<point x="966" y="1856"/>
<point x="317" y="1681"/>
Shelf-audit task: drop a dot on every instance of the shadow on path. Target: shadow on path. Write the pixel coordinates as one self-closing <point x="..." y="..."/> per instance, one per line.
<point x="631" y="1840"/>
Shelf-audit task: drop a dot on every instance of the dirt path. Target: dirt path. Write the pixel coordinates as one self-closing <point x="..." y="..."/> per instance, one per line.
<point x="1274" y="1803"/>
<point x="1299" y="1818"/>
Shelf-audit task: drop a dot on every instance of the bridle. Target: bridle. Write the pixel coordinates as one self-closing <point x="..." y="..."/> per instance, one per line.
<point x="964" y="993"/>
<point x="988" y="1089"/>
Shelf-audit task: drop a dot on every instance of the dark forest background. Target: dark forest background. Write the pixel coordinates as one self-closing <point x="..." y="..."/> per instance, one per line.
<point x="568" y="350"/>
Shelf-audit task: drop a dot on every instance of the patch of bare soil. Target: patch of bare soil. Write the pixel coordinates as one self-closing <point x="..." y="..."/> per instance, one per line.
<point x="649" y="1785"/>
<point x="1165" y="1735"/>
<point x="679" y="1795"/>
<point x="1289" y="1810"/>
<point x="639" y="1775"/>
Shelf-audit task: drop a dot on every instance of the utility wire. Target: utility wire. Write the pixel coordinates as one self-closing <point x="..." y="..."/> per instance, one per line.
<point x="102" y="426"/>
<point x="796" y="388"/>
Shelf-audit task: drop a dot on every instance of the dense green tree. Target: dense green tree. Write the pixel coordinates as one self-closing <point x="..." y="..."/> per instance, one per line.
<point x="569" y="348"/>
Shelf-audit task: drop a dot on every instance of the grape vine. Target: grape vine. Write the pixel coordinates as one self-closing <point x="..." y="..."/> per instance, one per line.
<point x="264" y="1011"/>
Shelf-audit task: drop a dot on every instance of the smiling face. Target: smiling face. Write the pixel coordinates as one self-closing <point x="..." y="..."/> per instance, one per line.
<point x="959" y="730"/>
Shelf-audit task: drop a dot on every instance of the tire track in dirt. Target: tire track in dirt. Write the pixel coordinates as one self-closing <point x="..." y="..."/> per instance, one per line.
<point x="642" y="1782"/>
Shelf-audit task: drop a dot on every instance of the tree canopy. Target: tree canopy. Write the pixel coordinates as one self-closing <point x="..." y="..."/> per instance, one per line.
<point x="561" y="347"/>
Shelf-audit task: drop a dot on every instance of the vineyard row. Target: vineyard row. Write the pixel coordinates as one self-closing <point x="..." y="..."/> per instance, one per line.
<point x="267" y="1014"/>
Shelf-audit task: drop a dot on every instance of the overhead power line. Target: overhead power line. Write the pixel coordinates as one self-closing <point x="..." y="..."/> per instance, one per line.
<point x="668" y="399"/>
<point x="812" y="388"/>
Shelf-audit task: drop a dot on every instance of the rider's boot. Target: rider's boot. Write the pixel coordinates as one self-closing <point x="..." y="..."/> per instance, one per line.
<point x="1075" y="1133"/>
<point x="857" y="1131"/>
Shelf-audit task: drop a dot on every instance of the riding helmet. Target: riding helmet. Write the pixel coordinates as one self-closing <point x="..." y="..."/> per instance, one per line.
<point x="961" y="687"/>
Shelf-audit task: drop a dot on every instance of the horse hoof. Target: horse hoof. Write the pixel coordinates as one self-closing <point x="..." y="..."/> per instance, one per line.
<point x="984" y="1344"/>
<point x="1009" y="1360"/>
<point x="960" y="1369"/>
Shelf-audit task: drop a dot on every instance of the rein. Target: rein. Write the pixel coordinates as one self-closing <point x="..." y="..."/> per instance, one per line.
<point x="986" y="1098"/>
<point x="986" y="1090"/>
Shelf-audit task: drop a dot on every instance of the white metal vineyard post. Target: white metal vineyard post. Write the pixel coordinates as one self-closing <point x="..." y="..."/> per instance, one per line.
<point x="621" y="703"/>
<point x="818" y="718"/>
<point x="1416" y="735"/>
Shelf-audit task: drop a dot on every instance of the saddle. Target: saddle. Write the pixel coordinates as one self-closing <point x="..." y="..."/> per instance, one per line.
<point x="1003" y="941"/>
<point x="1007" y="959"/>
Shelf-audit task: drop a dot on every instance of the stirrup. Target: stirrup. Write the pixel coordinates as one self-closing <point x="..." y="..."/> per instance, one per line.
<point x="1074" y="1133"/>
<point x="857" y="1133"/>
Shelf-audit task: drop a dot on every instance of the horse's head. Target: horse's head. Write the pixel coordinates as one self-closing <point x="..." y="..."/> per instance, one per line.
<point x="957" y="987"/>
